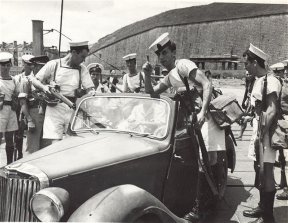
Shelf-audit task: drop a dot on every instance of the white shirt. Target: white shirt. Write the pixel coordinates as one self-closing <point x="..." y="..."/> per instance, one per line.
<point x="133" y="82"/>
<point x="67" y="78"/>
<point x="183" y="67"/>
<point x="8" y="87"/>
<point x="273" y="85"/>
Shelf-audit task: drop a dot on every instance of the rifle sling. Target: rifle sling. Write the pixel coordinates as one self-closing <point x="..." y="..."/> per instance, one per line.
<point x="260" y="135"/>
<point x="206" y="165"/>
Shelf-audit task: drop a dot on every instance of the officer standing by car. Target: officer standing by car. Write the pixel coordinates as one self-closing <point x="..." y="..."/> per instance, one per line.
<point x="95" y="71"/>
<point x="133" y="81"/>
<point x="71" y="78"/>
<point x="19" y="134"/>
<point x="31" y="106"/>
<point x="214" y="138"/>
<point x="8" y="119"/>
<point x="254" y="60"/>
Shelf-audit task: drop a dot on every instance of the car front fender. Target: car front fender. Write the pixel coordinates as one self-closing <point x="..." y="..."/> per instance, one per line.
<point x="124" y="203"/>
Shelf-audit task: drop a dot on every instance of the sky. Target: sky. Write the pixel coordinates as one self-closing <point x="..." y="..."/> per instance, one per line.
<point x="84" y="19"/>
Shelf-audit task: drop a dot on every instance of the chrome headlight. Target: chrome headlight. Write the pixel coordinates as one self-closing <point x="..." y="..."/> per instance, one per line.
<point x="49" y="204"/>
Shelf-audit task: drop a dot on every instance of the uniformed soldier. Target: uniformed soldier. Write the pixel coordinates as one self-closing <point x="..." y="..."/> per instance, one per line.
<point x="8" y="119"/>
<point x="254" y="59"/>
<point x="280" y="70"/>
<point x="214" y="138"/>
<point x="133" y="81"/>
<point x="31" y="106"/>
<point x="19" y="134"/>
<point x="71" y="78"/>
<point x="95" y="71"/>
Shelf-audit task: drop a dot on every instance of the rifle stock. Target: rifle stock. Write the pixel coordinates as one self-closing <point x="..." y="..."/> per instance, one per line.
<point x="260" y="135"/>
<point x="62" y="98"/>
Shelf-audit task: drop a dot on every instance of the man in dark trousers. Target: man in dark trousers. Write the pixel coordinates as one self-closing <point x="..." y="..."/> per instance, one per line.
<point x="214" y="137"/>
<point x="264" y="155"/>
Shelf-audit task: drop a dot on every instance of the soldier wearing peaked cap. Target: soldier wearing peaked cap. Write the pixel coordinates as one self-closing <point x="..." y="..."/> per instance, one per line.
<point x="254" y="60"/>
<point x="31" y="106"/>
<point x="8" y="119"/>
<point x="71" y="78"/>
<point x="133" y="81"/>
<point x="19" y="134"/>
<point x="95" y="71"/>
<point x="278" y="69"/>
<point x="214" y="138"/>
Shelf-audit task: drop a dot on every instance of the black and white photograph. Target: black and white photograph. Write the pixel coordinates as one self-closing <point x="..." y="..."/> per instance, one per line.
<point x="144" y="111"/>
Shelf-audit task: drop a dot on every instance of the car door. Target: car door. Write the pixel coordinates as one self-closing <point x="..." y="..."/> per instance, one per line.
<point x="180" y="188"/>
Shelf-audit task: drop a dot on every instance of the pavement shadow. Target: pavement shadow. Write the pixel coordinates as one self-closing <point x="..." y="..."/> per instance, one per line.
<point x="281" y="214"/>
<point x="226" y="208"/>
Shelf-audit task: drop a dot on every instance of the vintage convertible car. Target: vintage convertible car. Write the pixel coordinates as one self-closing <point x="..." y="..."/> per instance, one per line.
<point x="128" y="158"/>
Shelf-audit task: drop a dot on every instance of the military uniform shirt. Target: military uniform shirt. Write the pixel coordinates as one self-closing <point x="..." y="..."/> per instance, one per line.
<point x="67" y="78"/>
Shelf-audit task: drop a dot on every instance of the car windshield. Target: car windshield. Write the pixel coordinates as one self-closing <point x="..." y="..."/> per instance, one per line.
<point x="139" y="115"/>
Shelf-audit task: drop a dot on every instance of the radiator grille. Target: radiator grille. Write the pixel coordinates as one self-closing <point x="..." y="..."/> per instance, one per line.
<point x="15" y="195"/>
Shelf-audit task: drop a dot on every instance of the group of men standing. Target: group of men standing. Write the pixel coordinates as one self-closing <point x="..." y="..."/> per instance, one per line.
<point x="73" y="79"/>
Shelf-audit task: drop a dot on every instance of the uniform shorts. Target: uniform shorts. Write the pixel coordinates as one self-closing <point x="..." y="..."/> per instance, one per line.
<point x="56" y="121"/>
<point x="213" y="136"/>
<point x="269" y="155"/>
<point x="8" y="119"/>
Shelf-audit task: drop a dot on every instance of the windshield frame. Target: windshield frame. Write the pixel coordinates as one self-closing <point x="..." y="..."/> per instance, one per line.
<point x="132" y="133"/>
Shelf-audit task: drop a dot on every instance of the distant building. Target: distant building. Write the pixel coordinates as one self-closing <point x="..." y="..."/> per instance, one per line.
<point x="214" y="36"/>
<point x="18" y="50"/>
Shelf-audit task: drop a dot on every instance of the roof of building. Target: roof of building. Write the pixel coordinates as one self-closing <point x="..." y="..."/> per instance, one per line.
<point x="195" y="14"/>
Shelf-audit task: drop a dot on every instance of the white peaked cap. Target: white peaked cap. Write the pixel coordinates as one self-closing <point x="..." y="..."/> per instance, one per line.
<point x="258" y="52"/>
<point x="160" y="42"/>
<point x="92" y="65"/>
<point x="277" y="66"/>
<point x="285" y="62"/>
<point x="130" y="56"/>
<point x="5" y="57"/>
<point x="78" y="44"/>
<point x="27" y="57"/>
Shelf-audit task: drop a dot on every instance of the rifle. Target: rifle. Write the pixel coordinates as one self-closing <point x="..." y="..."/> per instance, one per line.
<point x="62" y="98"/>
<point x="114" y="86"/>
<point x="260" y="135"/>
<point x="282" y="160"/>
<point x="197" y="138"/>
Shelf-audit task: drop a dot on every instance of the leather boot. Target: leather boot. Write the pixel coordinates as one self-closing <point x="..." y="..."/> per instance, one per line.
<point x="203" y="198"/>
<point x="257" y="211"/>
<point x="283" y="195"/>
<point x="269" y="206"/>
<point x="9" y="153"/>
<point x="19" y="143"/>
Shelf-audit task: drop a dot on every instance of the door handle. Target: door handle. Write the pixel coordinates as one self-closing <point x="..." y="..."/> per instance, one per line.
<point x="178" y="158"/>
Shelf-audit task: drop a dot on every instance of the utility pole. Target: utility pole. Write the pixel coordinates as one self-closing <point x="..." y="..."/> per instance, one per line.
<point x="37" y="45"/>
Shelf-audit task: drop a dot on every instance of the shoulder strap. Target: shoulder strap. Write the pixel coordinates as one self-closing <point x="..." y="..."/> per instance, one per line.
<point x="55" y="69"/>
<point x="185" y="81"/>
<point x="280" y="111"/>
<point x="264" y="94"/>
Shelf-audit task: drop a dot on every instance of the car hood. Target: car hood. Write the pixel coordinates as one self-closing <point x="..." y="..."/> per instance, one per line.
<point x="82" y="153"/>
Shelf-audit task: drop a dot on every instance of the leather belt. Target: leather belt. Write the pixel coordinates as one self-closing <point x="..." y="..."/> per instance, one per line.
<point x="9" y="103"/>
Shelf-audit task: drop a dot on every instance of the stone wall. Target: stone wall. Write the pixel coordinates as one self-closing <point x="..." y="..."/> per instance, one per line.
<point x="269" y="33"/>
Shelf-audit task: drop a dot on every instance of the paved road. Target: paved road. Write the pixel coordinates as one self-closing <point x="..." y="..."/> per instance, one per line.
<point x="240" y="193"/>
